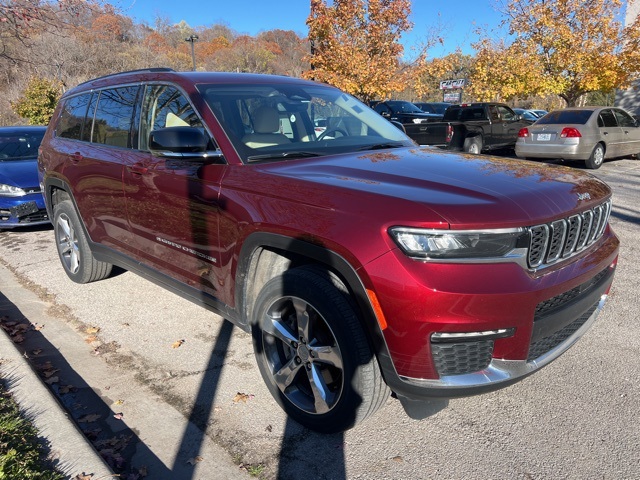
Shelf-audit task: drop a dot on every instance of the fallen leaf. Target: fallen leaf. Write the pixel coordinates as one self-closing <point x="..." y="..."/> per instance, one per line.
<point x="92" y="417"/>
<point x="397" y="458"/>
<point x="52" y="380"/>
<point x="37" y="327"/>
<point x="91" y="330"/>
<point x="195" y="460"/>
<point x="242" y="397"/>
<point x="91" y="339"/>
<point x="119" y="402"/>
<point x="66" y="389"/>
<point x="269" y="428"/>
<point x="177" y="344"/>
<point x="37" y="351"/>
<point x="119" y="416"/>
<point x="17" y="339"/>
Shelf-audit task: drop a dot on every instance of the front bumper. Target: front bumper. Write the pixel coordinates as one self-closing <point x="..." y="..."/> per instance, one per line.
<point x="23" y="211"/>
<point x="545" y="313"/>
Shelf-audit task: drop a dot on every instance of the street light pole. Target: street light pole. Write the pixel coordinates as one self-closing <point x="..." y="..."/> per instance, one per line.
<point x="192" y="39"/>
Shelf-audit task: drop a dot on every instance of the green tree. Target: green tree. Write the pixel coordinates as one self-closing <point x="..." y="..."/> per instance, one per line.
<point x="38" y="101"/>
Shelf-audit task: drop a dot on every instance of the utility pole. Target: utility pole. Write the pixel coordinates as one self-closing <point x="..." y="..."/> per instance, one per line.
<point x="192" y="39"/>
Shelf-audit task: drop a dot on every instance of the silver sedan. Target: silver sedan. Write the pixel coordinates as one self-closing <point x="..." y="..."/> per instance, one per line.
<point x="591" y="134"/>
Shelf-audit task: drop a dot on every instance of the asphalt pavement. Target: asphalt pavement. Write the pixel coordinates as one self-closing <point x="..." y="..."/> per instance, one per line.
<point x="162" y="389"/>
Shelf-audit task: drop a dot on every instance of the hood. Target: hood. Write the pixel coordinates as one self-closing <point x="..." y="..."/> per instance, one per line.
<point x="426" y="186"/>
<point x="19" y="173"/>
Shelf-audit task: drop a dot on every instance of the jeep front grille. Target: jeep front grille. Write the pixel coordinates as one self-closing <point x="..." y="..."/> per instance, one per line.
<point x="554" y="241"/>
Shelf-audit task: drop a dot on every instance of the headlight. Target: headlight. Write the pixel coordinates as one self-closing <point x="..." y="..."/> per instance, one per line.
<point x="11" y="191"/>
<point x="445" y="244"/>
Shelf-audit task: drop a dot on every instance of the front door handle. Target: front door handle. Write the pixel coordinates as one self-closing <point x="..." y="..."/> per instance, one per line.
<point x="138" y="169"/>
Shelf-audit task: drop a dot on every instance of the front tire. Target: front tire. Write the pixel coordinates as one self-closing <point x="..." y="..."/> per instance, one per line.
<point x="73" y="249"/>
<point x="597" y="157"/>
<point x="313" y="353"/>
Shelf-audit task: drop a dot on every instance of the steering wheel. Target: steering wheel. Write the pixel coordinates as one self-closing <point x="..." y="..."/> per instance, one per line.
<point x="332" y="130"/>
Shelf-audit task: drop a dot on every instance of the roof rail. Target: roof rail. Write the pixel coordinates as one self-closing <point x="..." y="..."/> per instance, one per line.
<point x="140" y="70"/>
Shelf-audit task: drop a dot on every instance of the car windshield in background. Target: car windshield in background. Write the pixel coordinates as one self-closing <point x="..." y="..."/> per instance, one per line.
<point x="571" y="117"/>
<point x="272" y="122"/>
<point x="14" y="146"/>
<point x="403" y="107"/>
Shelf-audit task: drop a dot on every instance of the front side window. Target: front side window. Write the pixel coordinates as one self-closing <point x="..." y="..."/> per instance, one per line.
<point x="164" y="106"/>
<point x="114" y="116"/>
<point x="71" y="121"/>
<point x="624" y="119"/>
<point x="506" y="114"/>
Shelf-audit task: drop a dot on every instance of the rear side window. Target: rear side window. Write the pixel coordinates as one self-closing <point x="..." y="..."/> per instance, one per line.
<point x="572" y="117"/>
<point x="114" y="116"/>
<point x="607" y="119"/>
<point x="71" y="120"/>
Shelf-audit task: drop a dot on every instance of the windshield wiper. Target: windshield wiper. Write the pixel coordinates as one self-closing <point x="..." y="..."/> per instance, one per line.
<point x="276" y="156"/>
<point x="380" y="146"/>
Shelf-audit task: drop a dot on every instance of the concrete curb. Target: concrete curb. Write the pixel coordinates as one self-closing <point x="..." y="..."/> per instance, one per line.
<point x="71" y="451"/>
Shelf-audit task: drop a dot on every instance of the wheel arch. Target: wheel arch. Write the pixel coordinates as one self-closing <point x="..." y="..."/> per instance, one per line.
<point x="266" y="255"/>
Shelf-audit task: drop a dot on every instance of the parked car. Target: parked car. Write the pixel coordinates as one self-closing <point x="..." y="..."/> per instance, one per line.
<point x="404" y="112"/>
<point x="472" y="128"/>
<point x="540" y="113"/>
<point x="436" y="108"/>
<point x="591" y="134"/>
<point x="359" y="262"/>
<point x="527" y="114"/>
<point x="21" y="201"/>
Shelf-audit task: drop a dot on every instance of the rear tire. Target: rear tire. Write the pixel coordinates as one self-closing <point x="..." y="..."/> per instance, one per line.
<point x="473" y="145"/>
<point x="597" y="157"/>
<point x="73" y="249"/>
<point x="313" y="353"/>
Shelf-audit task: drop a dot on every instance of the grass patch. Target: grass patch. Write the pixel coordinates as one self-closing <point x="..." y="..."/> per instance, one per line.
<point x="22" y="456"/>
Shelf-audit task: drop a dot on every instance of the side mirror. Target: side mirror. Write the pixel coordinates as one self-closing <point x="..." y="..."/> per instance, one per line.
<point x="398" y="125"/>
<point x="178" y="142"/>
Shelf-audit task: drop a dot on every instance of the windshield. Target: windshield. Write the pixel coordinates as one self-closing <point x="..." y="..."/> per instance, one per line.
<point x="19" y="146"/>
<point x="284" y="121"/>
<point x="564" y="117"/>
<point x="403" y="107"/>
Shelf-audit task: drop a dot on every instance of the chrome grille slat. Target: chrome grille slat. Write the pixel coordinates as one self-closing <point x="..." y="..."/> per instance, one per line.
<point x="563" y="238"/>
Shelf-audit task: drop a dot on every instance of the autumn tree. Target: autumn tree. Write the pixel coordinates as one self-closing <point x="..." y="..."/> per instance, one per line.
<point x="564" y="47"/>
<point x="355" y="45"/>
<point x="38" y="101"/>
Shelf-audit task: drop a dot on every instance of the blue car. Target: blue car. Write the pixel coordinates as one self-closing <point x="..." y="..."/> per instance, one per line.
<point x="21" y="200"/>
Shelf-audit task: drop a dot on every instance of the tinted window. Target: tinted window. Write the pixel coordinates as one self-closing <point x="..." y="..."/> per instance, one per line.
<point x="624" y="119"/>
<point x="608" y="119"/>
<point x="114" y="116"/>
<point x="71" y="119"/>
<point x="576" y="117"/>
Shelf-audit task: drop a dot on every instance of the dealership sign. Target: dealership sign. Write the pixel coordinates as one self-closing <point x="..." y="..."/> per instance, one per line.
<point x="452" y="84"/>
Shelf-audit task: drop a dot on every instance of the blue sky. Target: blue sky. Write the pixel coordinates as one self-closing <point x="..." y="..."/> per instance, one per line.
<point x="457" y="20"/>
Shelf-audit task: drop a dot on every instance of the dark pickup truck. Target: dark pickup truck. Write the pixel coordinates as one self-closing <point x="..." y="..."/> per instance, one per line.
<point x="472" y="127"/>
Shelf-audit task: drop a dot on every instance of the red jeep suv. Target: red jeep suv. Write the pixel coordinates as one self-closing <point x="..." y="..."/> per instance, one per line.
<point x="360" y="262"/>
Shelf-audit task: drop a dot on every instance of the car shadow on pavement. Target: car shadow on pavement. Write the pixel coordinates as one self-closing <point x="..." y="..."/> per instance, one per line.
<point x="104" y="427"/>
